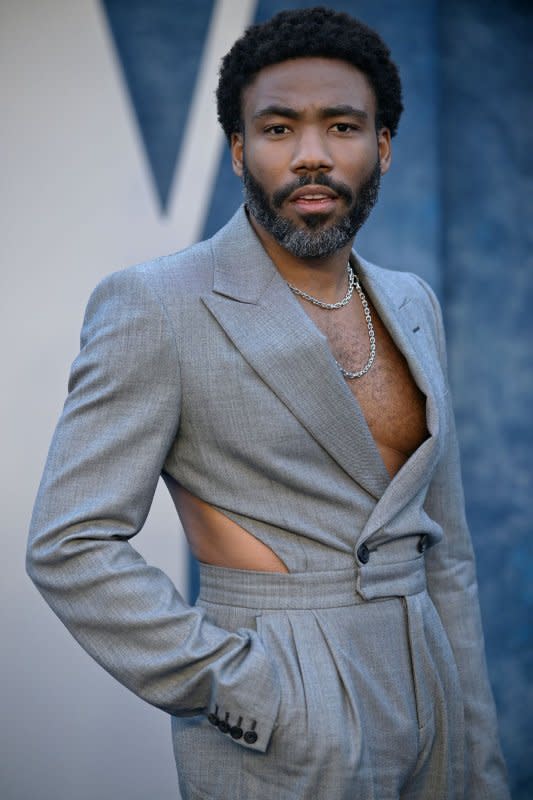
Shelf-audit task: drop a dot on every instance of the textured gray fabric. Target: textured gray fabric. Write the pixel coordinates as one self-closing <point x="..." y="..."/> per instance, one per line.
<point x="371" y="702"/>
<point x="203" y="365"/>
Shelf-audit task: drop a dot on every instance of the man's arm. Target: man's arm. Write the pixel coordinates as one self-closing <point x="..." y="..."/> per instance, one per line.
<point x="119" y="421"/>
<point x="452" y="584"/>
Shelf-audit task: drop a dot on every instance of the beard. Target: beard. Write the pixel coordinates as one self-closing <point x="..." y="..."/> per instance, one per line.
<point x="318" y="237"/>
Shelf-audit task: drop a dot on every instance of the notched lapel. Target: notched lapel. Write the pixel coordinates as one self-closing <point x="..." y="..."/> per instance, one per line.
<point x="254" y="306"/>
<point x="408" y="326"/>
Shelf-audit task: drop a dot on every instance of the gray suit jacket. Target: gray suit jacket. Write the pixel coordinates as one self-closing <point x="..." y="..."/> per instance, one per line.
<point x="204" y="366"/>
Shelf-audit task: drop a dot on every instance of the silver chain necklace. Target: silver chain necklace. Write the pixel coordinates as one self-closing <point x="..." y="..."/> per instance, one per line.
<point x="329" y="306"/>
<point x="353" y="283"/>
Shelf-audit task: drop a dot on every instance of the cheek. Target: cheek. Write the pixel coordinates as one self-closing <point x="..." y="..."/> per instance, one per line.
<point x="268" y="160"/>
<point x="268" y="178"/>
<point x="357" y="161"/>
<point x="361" y="149"/>
<point x="358" y="173"/>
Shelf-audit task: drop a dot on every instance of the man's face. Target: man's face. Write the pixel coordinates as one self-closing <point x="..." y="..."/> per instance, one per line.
<point x="310" y="157"/>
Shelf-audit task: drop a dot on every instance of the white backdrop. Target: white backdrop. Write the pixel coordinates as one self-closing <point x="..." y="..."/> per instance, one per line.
<point x="77" y="202"/>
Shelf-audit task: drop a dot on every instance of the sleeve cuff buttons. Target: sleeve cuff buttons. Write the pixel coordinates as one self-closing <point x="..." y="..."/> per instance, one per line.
<point x="235" y="731"/>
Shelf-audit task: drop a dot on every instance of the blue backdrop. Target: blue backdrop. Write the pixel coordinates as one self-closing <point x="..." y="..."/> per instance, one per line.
<point x="453" y="209"/>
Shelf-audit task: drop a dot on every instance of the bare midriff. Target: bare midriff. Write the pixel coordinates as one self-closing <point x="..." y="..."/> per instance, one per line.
<point x="215" y="539"/>
<point x="394" y="409"/>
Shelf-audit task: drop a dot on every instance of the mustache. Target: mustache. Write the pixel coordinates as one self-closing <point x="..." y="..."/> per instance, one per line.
<point x="340" y="189"/>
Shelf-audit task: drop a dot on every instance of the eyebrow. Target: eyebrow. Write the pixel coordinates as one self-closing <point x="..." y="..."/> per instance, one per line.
<point x="325" y="113"/>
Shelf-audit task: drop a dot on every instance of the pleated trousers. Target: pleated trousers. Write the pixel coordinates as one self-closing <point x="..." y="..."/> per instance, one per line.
<point x="371" y="705"/>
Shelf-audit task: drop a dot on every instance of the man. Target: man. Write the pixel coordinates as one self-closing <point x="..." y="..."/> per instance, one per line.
<point x="294" y="398"/>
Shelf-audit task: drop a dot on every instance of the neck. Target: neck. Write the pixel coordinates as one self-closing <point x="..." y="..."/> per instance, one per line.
<point x="324" y="276"/>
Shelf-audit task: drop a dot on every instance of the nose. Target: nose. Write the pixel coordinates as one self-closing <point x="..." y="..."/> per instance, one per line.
<point x="311" y="153"/>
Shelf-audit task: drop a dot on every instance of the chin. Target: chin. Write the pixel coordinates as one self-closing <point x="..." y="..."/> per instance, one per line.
<point x="317" y="220"/>
<point x="314" y="219"/>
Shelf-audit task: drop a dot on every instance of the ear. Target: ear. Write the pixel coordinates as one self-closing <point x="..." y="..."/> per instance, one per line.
<point x="384" y="149"/>
<point x="237" y="151"/>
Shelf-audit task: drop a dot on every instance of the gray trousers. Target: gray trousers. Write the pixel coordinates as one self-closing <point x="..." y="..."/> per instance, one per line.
<point x="371" y="706"/>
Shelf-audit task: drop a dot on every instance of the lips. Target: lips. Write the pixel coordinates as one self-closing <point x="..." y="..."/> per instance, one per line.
<point x="313" y="199"/>
<point x="313" y="193"/>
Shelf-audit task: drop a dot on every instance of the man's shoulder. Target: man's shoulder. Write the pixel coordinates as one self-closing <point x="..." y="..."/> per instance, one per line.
<point x="396" y="281"/>
<point x="185" y="272"/>
<point x="169" y="284"/>
<point x="188" y="268"/>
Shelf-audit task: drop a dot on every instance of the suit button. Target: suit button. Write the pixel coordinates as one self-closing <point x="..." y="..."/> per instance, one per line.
<point x="363" y="554"/>
<point x="423" y="543"/>
<point x="223" y="726"/>
<point x="235" y="732"/>
<point x="213" y="719"/>
<point x="250" y="737"/>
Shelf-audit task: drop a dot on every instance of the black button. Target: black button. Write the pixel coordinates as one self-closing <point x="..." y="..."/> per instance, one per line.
<point x="223" y="726"/>
<point x="363" y="554"/>
<point x="423" y="543"/>
<point x="250" y="737"/>
<point x="235" y="732"/>
<point x="213" y="719"/>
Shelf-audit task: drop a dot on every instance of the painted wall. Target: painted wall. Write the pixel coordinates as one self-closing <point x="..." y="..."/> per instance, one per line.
<point x="113" y="156"/>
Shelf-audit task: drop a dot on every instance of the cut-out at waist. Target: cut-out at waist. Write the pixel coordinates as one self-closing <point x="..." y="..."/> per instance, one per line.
<point x="217" y="540"/>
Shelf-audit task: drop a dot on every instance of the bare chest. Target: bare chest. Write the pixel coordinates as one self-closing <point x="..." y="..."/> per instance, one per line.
<point x="391" y="402"/>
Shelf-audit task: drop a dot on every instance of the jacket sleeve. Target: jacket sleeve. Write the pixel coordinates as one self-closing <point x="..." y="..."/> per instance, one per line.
<point x="119" y="421"/>
<point x="452" y="585"/>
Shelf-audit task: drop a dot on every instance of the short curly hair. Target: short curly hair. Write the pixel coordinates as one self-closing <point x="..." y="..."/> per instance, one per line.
<point x="307" y="33"/>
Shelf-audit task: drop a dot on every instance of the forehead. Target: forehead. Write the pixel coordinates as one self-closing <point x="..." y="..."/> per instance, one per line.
<point x="307" y="83"/>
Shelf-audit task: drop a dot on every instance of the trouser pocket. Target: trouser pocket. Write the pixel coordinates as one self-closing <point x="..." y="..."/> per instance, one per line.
<point x="318" y="740"/>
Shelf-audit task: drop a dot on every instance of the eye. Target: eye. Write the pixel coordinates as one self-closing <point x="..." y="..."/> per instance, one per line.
<point x="276" y="130"/>
<point x="345" y="127"/>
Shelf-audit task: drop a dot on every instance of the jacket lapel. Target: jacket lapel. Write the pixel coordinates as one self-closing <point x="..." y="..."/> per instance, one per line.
<point x="256" y="309"/>
<point x="254" y="306"/>
<point x="408" y="324"/>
